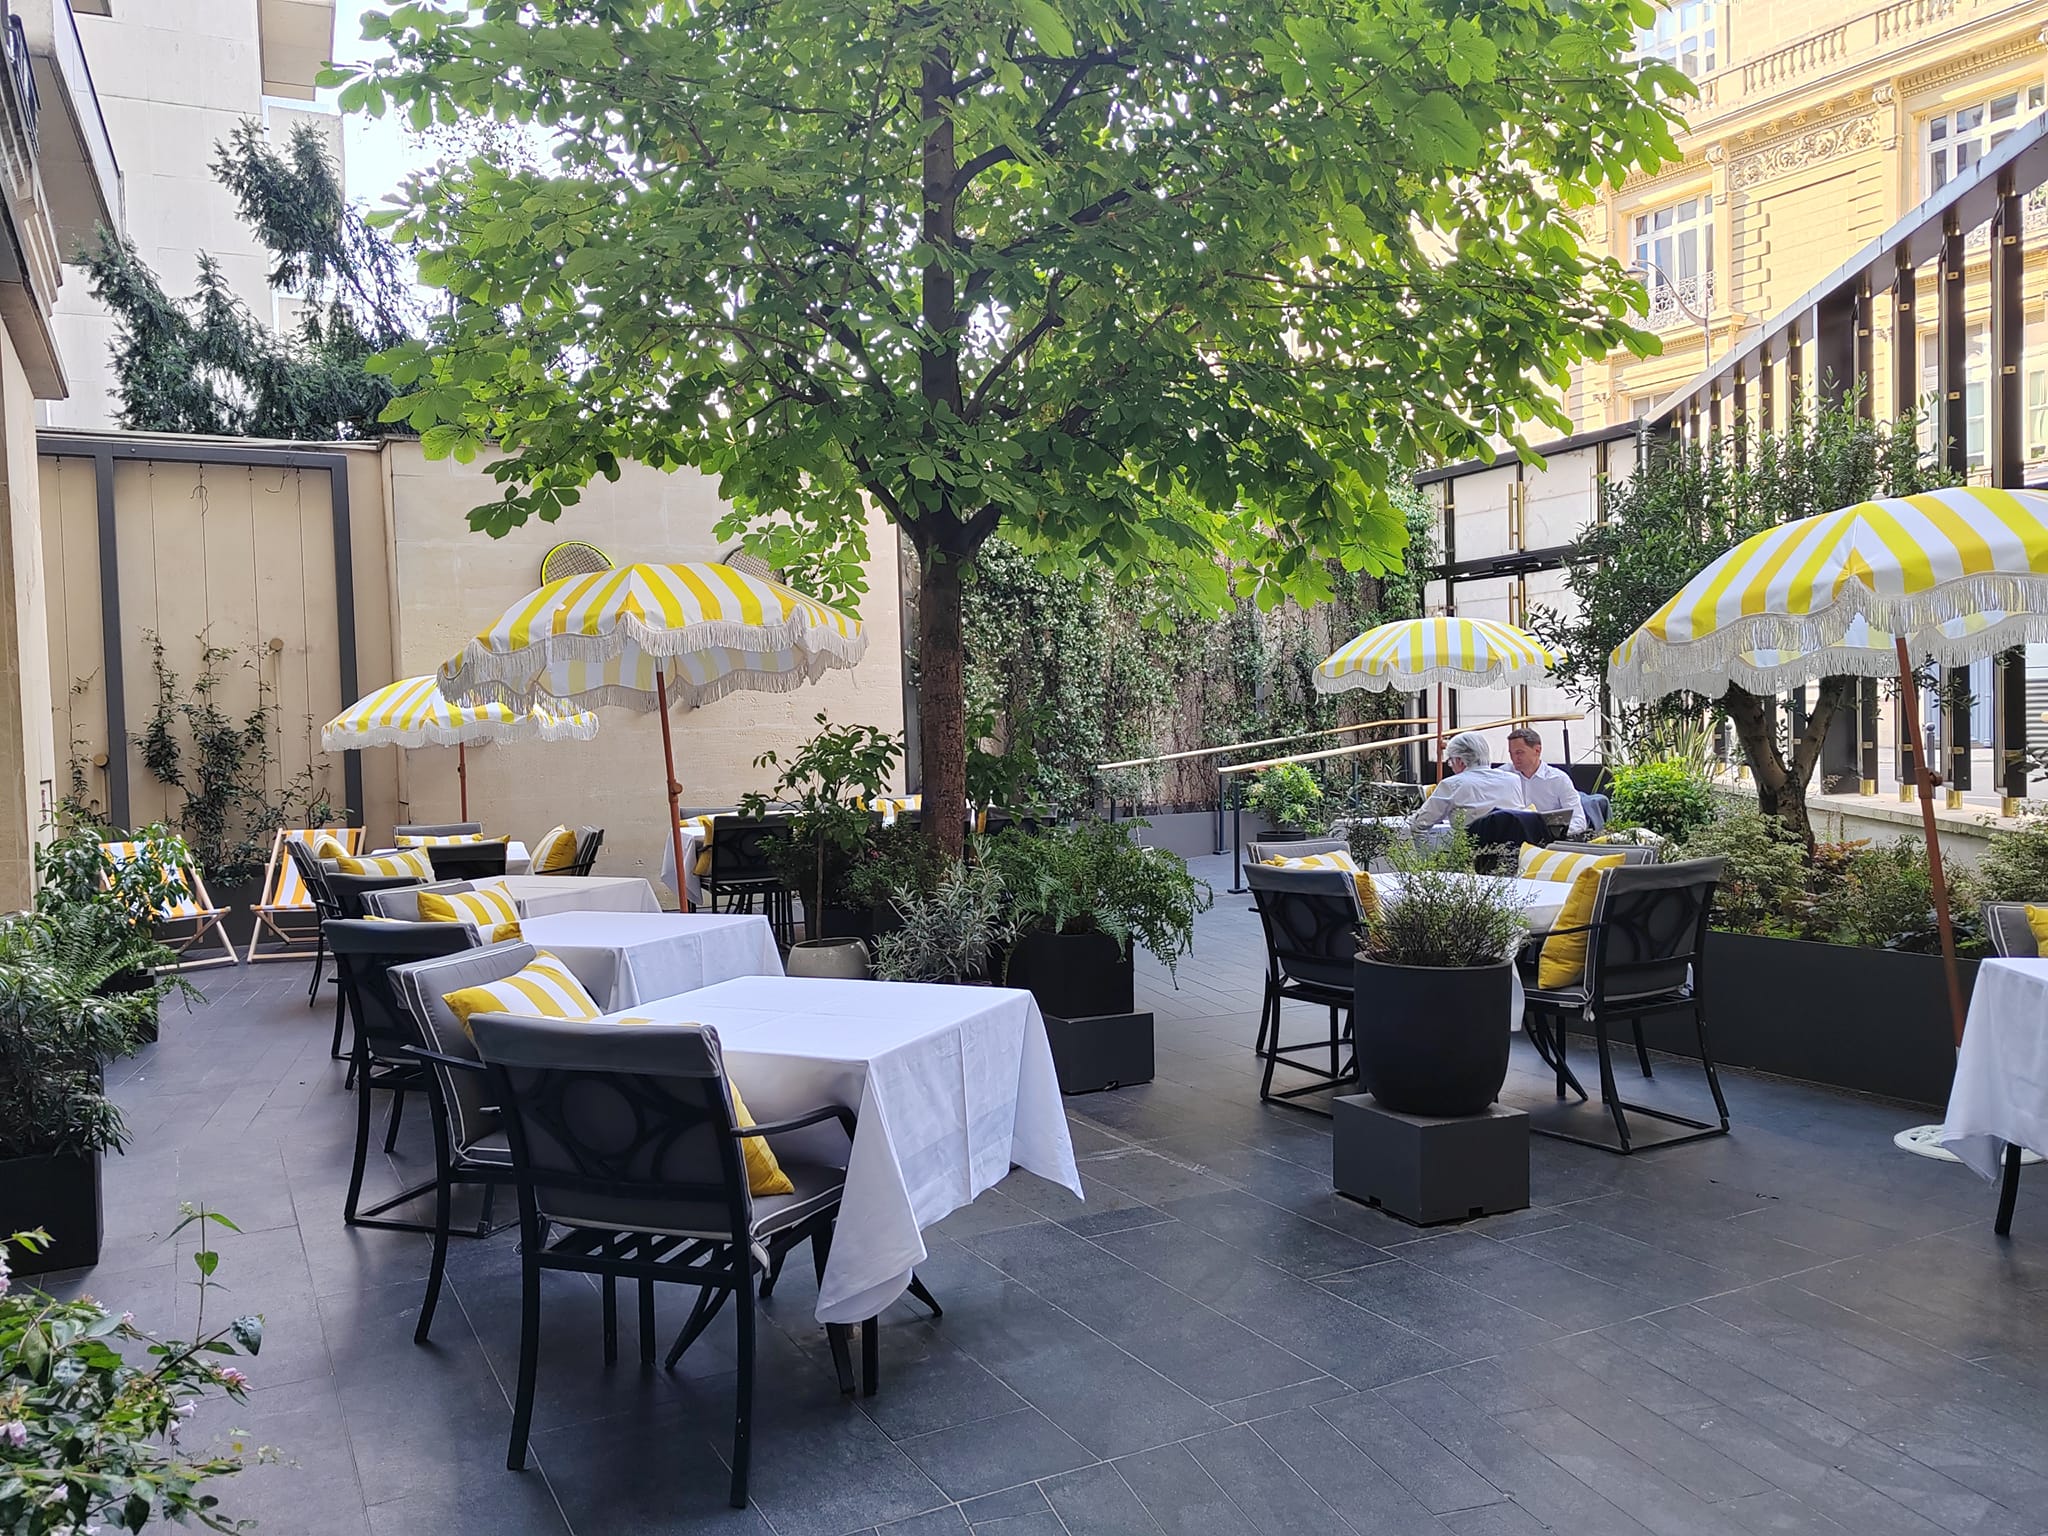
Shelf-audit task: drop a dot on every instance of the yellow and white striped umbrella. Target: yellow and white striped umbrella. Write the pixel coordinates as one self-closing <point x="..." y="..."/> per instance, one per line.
<point x="1961" y="573"/>
<point x="1411" y="654"/>
<point x="413" y="712"/>
<point x="705" y="629"/>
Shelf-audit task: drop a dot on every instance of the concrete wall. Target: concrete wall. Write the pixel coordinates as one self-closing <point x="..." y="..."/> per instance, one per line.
<point x="450" y="582"/>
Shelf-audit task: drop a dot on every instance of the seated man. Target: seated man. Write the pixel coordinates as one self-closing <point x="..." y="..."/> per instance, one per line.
<point x="1471" y="787"/>
<point x="1550" y="791"/>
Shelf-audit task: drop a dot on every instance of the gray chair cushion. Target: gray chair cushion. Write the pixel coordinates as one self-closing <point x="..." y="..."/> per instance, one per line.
<point x="1631" y="853"/>
<point x="818" y="1188"/>
<point x="472" y="1116"/>
<point x="436" y="828"/>
<point x="2012" y="936"/>
<point x="1258" y="853"/>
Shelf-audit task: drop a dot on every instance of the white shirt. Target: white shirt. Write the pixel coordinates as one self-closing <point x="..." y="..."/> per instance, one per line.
<point x="1551" y="789"/>
<point x="1473" y="792"/>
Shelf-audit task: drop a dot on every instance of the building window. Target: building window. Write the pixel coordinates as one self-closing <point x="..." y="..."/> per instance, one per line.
<point x="1673" y="250"/>
<point x="1976" y="391"/>
<point x="1958" y="140"/>
<point x="1687" y="34"/>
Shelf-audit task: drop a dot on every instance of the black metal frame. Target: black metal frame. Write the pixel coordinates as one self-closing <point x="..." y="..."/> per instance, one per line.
<point x="586" y="854"/>
<point x="1292" y="948"/>
<point x="1549" y="1015"/>
<point x="741" y="871"/>
<point x="466" y="861"/>
<point x="719" y="1267"/>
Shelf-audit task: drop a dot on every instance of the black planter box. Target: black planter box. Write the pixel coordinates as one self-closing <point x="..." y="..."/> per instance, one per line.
<point x="59" y="1193"/>
<point x="1074" y="975"/>
<point x="135" y="981"/>
<point x="1869" y="1020"/>
<point x="1107" y="1051"/>
<point x="1429" y="1169"/>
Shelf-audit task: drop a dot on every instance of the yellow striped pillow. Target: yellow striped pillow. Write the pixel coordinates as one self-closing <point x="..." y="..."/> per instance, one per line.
<point x="442" y="839"/>
<point x="1368" y="893"/>
<point x="411" y="862"/>
<point x="1563" y="961"/>
<point x="327" y="846"/>
<point x="554" y="853"/>
<point x="491" y="912"/>
<point x="544" y="988"/>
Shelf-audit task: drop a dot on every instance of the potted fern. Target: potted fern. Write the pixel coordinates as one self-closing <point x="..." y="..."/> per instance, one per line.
<point x="1083" y="899"/>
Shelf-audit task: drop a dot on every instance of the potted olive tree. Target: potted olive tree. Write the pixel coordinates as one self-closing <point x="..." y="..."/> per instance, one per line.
<point x="1083" y="899"/>
<point x="1434" y="987"/>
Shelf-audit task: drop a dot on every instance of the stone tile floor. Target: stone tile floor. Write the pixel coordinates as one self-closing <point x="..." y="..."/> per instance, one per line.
<point x="1794" y="1329"/>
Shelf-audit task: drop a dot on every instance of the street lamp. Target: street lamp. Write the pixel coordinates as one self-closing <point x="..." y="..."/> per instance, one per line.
<point x="1704" y="322"/>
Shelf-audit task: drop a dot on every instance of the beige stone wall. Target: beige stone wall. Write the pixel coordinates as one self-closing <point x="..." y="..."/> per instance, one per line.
<point x="449" y="582"/>
<point x="27" y="764"/>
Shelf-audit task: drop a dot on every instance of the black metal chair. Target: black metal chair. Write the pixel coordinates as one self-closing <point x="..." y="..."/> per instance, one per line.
<point x="466" y="861"/>
<point x="1307" y="847"/>
<point x="313" y="874"/>
<point x="2012" y="938"/>
<point x="351" y="892"/>
<point x="623" y="1139"/>
<point x="742" y="871"/>
<point x="437" y="829"/>
<point x="1310" y="918"/>
<point x="1632" y="854"/>
<point x="1645" y="956"/>
<point x="383" y="1057"/>
<point x="470" y="1145"/>
<point x="586" y="852"/>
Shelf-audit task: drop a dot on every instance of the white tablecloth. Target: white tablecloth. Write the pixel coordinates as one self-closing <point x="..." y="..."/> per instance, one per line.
<point x="517" y="859"/>
<point x="542" y="895"/>
<point x="2000" y="1095"/>
<point x="953" y="1085"/>
<point x="692" y="841"/>
<point x="630" y="958"/>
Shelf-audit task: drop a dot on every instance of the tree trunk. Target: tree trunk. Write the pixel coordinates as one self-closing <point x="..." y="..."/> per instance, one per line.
<point x="942" y="703"/>
<point x="1781" y="785"/>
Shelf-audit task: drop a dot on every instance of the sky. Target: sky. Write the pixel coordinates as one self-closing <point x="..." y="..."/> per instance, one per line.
<point x="379" y="151"/>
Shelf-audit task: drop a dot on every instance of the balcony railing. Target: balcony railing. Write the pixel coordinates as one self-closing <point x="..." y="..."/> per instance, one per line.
<point x="24" y="78"/>
<point x="1680" y="301"/>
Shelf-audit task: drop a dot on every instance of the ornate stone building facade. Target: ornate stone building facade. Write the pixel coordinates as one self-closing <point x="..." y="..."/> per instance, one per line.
<point x="1819" y="124"/>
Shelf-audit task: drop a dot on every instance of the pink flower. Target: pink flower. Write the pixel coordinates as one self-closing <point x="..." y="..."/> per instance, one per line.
<point x="232" y="1378"/>
<point x="14" y="1433"/>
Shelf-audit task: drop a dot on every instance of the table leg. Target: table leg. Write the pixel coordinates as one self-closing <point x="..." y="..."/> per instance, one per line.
<point x="2008" y="1190"/>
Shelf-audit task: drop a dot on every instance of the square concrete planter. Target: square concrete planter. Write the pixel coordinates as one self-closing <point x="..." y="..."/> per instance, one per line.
<point x="1429" y="1170"/>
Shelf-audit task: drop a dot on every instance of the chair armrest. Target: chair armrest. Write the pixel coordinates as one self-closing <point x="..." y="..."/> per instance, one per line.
<point x="839" y="1112"/>
<point x="462" y="1063"/>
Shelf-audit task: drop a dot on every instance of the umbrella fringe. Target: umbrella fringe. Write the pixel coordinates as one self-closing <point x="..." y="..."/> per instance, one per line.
<point x="1497" y="676"/>
<point x="682" y="694"/>
<point x="1654" y="668"/>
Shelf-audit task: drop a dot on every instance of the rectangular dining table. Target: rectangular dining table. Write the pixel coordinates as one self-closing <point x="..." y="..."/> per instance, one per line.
<point x="952" y="1086"/>
<point x="626" y="959"/>
<point x="543" y="895"/>
<point x="2000" y="1095"/>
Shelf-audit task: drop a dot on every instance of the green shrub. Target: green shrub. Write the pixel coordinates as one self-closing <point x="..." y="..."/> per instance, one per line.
<point x="951" y="934"/>
<point x="1095" y="878"/>
<point x="1764" y="890"/>
<point x="2015" y="866"/>
<point x="1287" y="795"/>
<point x="1883" y="898"/>
<point x="1666" y="796"/>
<point x="1446" y="919"/>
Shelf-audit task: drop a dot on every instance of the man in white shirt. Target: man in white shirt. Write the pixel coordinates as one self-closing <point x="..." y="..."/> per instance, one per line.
<point x="1549" y="790"/>
<point x="1471" y="786"/>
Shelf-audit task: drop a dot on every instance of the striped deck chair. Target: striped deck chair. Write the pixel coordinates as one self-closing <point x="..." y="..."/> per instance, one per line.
<point x="194" y="907"/>
<point x="286" y="915"/>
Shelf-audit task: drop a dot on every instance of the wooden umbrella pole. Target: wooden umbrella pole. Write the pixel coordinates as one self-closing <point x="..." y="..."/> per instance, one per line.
<point x="462" y="776"/>
<point x="675" y="795"/>
<point x="1909" y="702"/>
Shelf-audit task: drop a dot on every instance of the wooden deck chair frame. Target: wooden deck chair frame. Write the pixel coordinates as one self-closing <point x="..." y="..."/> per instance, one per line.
<point x="292" y="927"/>
<point x="209" y="923"/>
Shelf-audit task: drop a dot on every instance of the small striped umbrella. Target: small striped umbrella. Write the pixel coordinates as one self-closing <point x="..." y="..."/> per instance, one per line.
<point x="413" y="712"/>
<point x="1411" y="654"/>
<point x="654" y="637"/>
<point x="1953" y="575"/>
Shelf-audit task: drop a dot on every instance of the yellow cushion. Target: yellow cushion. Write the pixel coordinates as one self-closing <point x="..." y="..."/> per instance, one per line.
<point x="442" y="839"/>
<point x="327" y="846"/>
<point x="544" y="988"/>
<point x="554" y="853"/>
<point x="2037" y="919"/>
<point x="1368" y="893"/>
<point x="491" y="912"/>
<point x="1563" y="961"/>
<point x="701" y="825"/>
<point x="411" y="862"/>
<point x="764" y="1170"/>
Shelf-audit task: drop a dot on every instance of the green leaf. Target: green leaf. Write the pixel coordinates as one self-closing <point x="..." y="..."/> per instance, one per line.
<point x="1048" y="26"/>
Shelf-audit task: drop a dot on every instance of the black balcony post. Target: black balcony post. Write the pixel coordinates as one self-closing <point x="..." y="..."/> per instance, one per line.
<point x="2008" y="461"/>
<point x="1741" y="388"/>
<point x="1766" y="389"/>
<point x="1952" y="357"/>
<point x="1905" y="337"/>
<point x="1795" y="369"/>
<point x="1866" y="349"/>
<point x="1834" y="347"/>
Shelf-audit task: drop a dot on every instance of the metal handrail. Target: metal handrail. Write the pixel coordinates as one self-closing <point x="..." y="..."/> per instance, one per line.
<point x="1378" y="746"/>
<point x="1269" y="741"/>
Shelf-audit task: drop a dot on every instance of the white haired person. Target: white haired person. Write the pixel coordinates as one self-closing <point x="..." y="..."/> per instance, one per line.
<point x="1471" y="785"/>
<point x="1550" y="791"/>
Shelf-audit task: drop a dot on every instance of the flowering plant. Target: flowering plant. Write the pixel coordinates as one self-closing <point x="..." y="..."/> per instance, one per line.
<point x="92" y="1406"/>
